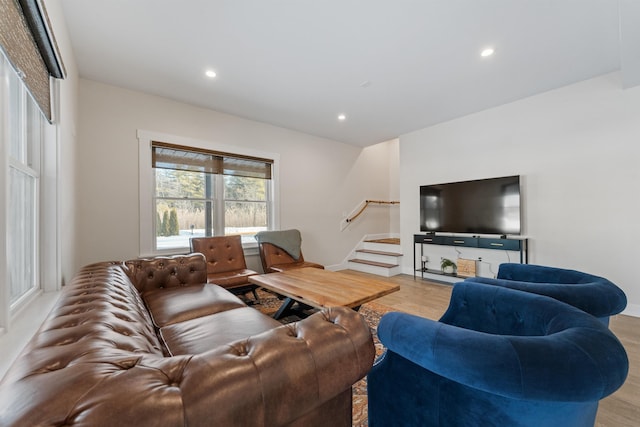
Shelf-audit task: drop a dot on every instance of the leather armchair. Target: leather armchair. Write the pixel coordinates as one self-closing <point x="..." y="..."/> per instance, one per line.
<point x="226" y="265"/>
<point x="275" y="258"/>
<point x="497" y="357"/>
<point x="592" y="294"/>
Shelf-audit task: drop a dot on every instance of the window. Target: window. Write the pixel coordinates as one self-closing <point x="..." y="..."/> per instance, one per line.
<point x="24" y="141"/>
<point x="198" y="189"/>
<point x="29" y="240"/>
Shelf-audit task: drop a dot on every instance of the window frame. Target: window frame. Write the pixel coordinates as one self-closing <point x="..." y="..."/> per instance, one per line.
<point x="38" y="161"/>
<point x="146" y="180"/>
<point x="23" y="112"/>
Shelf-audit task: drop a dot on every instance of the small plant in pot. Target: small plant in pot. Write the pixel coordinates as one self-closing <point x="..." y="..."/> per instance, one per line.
<point x="448" y="266"/>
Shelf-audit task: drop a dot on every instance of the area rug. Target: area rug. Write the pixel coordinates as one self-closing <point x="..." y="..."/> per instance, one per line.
<point x="269" y="303"/>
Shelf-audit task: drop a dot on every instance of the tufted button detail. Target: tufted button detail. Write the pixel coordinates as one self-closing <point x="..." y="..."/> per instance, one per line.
<point x="127" y="364"/>
<point x="241" y="349"/>
<point x="291" y="331"/>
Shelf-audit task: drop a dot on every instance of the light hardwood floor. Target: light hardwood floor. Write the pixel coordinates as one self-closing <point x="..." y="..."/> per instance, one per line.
<point x="621" y="409"/>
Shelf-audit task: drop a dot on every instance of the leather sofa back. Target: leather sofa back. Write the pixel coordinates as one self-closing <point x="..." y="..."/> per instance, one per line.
<point x="167" y="272"/>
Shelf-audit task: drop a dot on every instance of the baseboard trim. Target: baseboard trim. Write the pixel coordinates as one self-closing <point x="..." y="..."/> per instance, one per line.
<point x="632" y="310"/>
<point x="337" y="267"/>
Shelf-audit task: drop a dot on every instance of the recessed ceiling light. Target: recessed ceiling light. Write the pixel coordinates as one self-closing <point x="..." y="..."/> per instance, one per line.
<point x="487" y="52"/>
<point x="342" y="117"/>
<point x="210" y="73"/>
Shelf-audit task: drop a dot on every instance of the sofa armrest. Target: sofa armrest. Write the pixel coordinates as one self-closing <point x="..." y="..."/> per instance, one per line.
<point x="595" y="295"/>
<point x="543" y="274"/>
<point x="599" y="298"/>
<point x="278" y="376"/>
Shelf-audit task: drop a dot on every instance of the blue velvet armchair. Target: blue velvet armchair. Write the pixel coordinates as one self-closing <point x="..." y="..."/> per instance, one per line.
<point x="595" y="295"/>
<point x="497" y="357"/>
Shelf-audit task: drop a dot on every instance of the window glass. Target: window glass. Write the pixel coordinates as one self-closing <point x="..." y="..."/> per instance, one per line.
<point x="34" y="134"/>
<point x="191" y="203"/>
<point x="182" y="207"/>
<point x="21" y="234"/>
<point x="25" y="133"/>
<point x="16" y="116"/>
<point x="245" y="206"/>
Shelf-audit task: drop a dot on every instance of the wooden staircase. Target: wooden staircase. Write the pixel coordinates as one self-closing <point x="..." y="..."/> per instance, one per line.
<point x="378" y="256"/>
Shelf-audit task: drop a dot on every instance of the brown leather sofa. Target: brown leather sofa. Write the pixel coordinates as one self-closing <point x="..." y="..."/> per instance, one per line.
<point x="150" y="343"/>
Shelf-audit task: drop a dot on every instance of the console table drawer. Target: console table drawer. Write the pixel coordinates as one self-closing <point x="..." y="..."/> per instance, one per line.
<point x="505" y="244"/>
<point x="429" y="240"/>
<point x="461" y="241"/>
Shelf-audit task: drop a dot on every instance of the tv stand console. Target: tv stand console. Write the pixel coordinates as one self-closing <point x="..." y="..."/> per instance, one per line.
<point x="496" y="243"/>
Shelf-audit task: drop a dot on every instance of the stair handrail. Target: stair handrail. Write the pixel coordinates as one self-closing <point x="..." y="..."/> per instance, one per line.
<point x="367" y="203"/>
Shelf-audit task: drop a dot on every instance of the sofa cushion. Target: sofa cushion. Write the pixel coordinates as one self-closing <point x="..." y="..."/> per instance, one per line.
<point x="177" y="304"/>
<point x="204" y="333"/>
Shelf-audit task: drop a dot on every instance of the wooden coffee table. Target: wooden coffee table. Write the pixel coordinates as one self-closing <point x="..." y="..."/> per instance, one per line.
<point x="322" y="288"/>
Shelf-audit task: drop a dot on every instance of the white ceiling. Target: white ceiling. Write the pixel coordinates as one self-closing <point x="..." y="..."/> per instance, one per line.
<point x="392" y="66"/>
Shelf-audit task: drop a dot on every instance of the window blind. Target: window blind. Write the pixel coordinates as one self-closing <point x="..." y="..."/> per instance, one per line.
<point x="31" y="48"/>
<point x="170" y="156"/>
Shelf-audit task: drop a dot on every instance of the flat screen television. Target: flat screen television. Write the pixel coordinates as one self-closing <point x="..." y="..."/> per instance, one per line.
<point x="485" y="206"/>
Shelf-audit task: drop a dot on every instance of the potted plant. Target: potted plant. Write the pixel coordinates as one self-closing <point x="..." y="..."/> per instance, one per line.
<point x="448" y="266"/>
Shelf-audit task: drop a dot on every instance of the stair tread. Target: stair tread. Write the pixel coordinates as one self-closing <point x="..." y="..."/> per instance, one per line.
<point x="389" y="241"/>
<point x="369" y="251"/>
<point x="375" y="263"/>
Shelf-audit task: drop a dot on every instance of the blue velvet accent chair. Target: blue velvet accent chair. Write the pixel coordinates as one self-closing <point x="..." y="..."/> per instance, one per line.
<point x="497" y="357"/>
<point x="595" y="295"/>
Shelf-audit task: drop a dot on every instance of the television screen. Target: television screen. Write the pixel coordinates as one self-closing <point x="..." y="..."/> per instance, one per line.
<point x="486" y="206"/>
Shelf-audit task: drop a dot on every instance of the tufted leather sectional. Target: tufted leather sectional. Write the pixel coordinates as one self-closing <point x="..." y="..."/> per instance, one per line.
<point x="149" y="343"/>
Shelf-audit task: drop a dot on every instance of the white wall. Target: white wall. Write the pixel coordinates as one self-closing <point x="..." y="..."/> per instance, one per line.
<point x="577" y="150"/>
<point x="394" y="184"/>
<point x="319" y="178"/>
